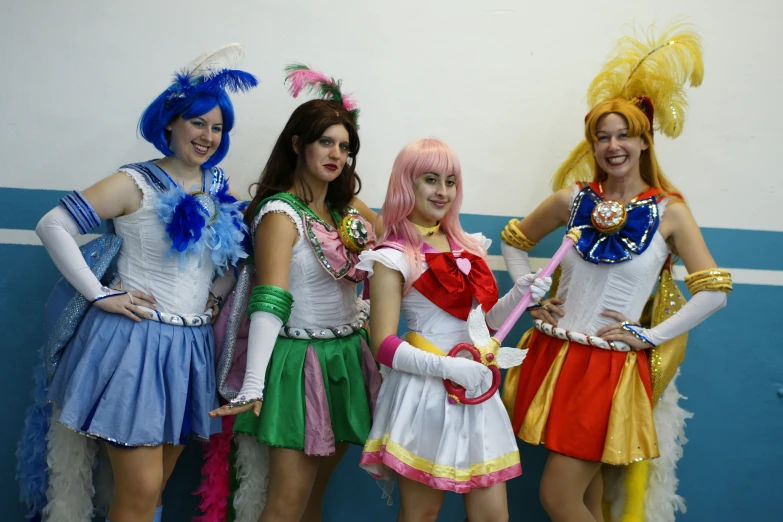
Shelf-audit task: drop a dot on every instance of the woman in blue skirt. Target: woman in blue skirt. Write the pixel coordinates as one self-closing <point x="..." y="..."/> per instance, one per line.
<point x="139" y="373"/>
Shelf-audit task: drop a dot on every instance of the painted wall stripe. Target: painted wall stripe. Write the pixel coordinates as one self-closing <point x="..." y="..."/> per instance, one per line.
<point x="742" y="276"/>
<point x="739" y="275"/>
<point x="757" y="249"/>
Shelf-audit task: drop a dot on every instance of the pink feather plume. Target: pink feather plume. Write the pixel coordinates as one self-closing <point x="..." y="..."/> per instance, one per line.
<point x="301" y="78"/>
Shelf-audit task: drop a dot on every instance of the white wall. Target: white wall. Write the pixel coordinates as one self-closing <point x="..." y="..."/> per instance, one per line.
<point x="503" y="81"/>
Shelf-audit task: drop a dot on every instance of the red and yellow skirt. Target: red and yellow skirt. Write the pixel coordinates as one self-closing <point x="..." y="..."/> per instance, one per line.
<point x="584" y="402"/>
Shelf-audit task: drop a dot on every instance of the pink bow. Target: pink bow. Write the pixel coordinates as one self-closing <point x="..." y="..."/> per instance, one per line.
<point x="330" y="249"/>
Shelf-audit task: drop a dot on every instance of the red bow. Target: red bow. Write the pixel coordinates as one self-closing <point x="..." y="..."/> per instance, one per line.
<point x="451" y="289"/>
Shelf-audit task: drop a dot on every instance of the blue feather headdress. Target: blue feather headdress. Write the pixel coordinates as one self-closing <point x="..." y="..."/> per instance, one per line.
<point x="211" y="73"/>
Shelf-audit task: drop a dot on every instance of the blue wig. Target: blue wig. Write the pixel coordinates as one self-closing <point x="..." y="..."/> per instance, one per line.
<point x="164" y="111"/>
<point x="190" y="98"/>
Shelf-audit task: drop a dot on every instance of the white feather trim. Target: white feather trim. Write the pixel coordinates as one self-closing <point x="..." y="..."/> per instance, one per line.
<point x="662" y="501"/>
<point x="252" y="465"/>
<point x="70" y="458"/>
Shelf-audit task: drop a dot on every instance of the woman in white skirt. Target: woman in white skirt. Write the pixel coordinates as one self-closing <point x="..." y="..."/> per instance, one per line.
<point x="433" y="272"/>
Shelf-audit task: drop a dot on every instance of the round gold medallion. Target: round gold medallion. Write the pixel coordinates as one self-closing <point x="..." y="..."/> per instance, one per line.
<point x="353" y="233"/>
<point x="609" y="217"/>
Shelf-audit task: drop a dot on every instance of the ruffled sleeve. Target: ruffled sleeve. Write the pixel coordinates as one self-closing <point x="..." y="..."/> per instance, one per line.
<point x="280" y="207"/>
<point x="389" y="257"/>
<point x="483" y="240"/>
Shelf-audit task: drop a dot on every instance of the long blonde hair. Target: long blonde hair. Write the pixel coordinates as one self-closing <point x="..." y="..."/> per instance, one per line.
<point x="642" y="66"/>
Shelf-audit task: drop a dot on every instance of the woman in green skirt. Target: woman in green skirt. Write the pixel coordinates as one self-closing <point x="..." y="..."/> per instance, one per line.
<point x="310" y="381"/>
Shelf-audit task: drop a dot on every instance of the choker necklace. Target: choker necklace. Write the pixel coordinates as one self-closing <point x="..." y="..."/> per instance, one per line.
<point x="427" y="231"/>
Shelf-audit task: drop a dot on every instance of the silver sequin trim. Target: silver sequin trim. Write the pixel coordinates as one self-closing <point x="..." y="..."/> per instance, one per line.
<point x="238" y="310"/>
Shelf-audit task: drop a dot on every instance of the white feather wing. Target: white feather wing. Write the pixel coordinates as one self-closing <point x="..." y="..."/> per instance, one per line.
<point x="477" y="327"/>
<point x="510" y="357"/>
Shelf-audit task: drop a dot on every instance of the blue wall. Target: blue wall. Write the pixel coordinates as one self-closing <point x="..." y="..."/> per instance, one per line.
<point x="731" y="376"/>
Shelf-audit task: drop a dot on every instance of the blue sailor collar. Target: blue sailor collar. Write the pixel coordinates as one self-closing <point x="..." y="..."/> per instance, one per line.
<point x="611" y="232"/>
<point x="206" y="219"/>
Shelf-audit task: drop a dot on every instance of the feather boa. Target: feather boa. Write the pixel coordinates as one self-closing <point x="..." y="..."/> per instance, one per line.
<point x="228" y="233"/>
<point x="662" y="501"/>
<point x="70" y="458"/>
<point x="31" y="451"/>
<point x="186" y="224"/>
<point x="252" y="474"/>
<point x="214" y="488"/>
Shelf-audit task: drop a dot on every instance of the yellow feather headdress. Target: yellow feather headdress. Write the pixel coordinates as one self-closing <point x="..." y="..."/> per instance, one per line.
<point x="642" y="66"/>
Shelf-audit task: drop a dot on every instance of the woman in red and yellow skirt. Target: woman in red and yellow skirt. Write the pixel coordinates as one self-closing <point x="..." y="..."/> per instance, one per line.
<point x="586" y="389"/>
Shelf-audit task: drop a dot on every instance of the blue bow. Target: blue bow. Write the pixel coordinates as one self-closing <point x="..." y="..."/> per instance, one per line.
<point x="634" y="238"/>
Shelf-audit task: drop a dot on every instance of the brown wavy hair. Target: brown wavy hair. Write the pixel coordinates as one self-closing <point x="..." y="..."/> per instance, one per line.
<point x="309" y="121"/>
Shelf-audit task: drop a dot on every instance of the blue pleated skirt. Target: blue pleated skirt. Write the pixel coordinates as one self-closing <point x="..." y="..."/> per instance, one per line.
<point x="137" y="384"/>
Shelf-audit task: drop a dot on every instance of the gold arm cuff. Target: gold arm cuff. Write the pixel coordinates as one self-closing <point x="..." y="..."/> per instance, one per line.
<point x="514" y="237"/>
<point x="714" y="279"/>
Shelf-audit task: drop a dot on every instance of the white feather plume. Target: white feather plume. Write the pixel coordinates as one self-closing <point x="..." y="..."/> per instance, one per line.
<point x="209" y="64"/>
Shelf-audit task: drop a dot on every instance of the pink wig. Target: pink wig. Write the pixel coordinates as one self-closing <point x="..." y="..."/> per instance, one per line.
<point x="417" y="158"/>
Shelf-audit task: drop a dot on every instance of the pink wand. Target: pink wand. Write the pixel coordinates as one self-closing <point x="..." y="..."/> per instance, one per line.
<point x="570" y="240"/>
<point x="487" y="353"/>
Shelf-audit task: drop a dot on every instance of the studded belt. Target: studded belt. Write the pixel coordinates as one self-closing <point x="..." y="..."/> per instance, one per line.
<point x="332" y="332"/>
<point x="178" y="319"/>
<point x="589" y="340"/>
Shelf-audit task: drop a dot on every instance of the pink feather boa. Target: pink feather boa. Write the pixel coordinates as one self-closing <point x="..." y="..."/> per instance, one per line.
<point x="214" y="488"/>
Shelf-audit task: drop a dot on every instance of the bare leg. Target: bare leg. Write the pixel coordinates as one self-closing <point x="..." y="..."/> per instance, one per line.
<point x="487" y="504"/>
<point x="291" y="478"/>
<point x="564" y="486"/>
<point x="138" y="475"/>
<point x="170" y="456"/>
<point x="325" y="469"/>
<point x="418" y="503"/>
<point x="594" y="497"/>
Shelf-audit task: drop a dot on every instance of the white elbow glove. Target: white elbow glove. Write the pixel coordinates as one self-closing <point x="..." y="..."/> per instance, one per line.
<point x="57" y="230"/>
<point x="538" y="287"/>
<point x="517" y="261"/>
<point x="264" y="328"/>
<point x="467" y="373"/>
<point x="700" y="307"/>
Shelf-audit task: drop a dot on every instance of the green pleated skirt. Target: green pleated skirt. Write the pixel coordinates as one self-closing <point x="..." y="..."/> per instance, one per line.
<point x="317" y="393"/>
